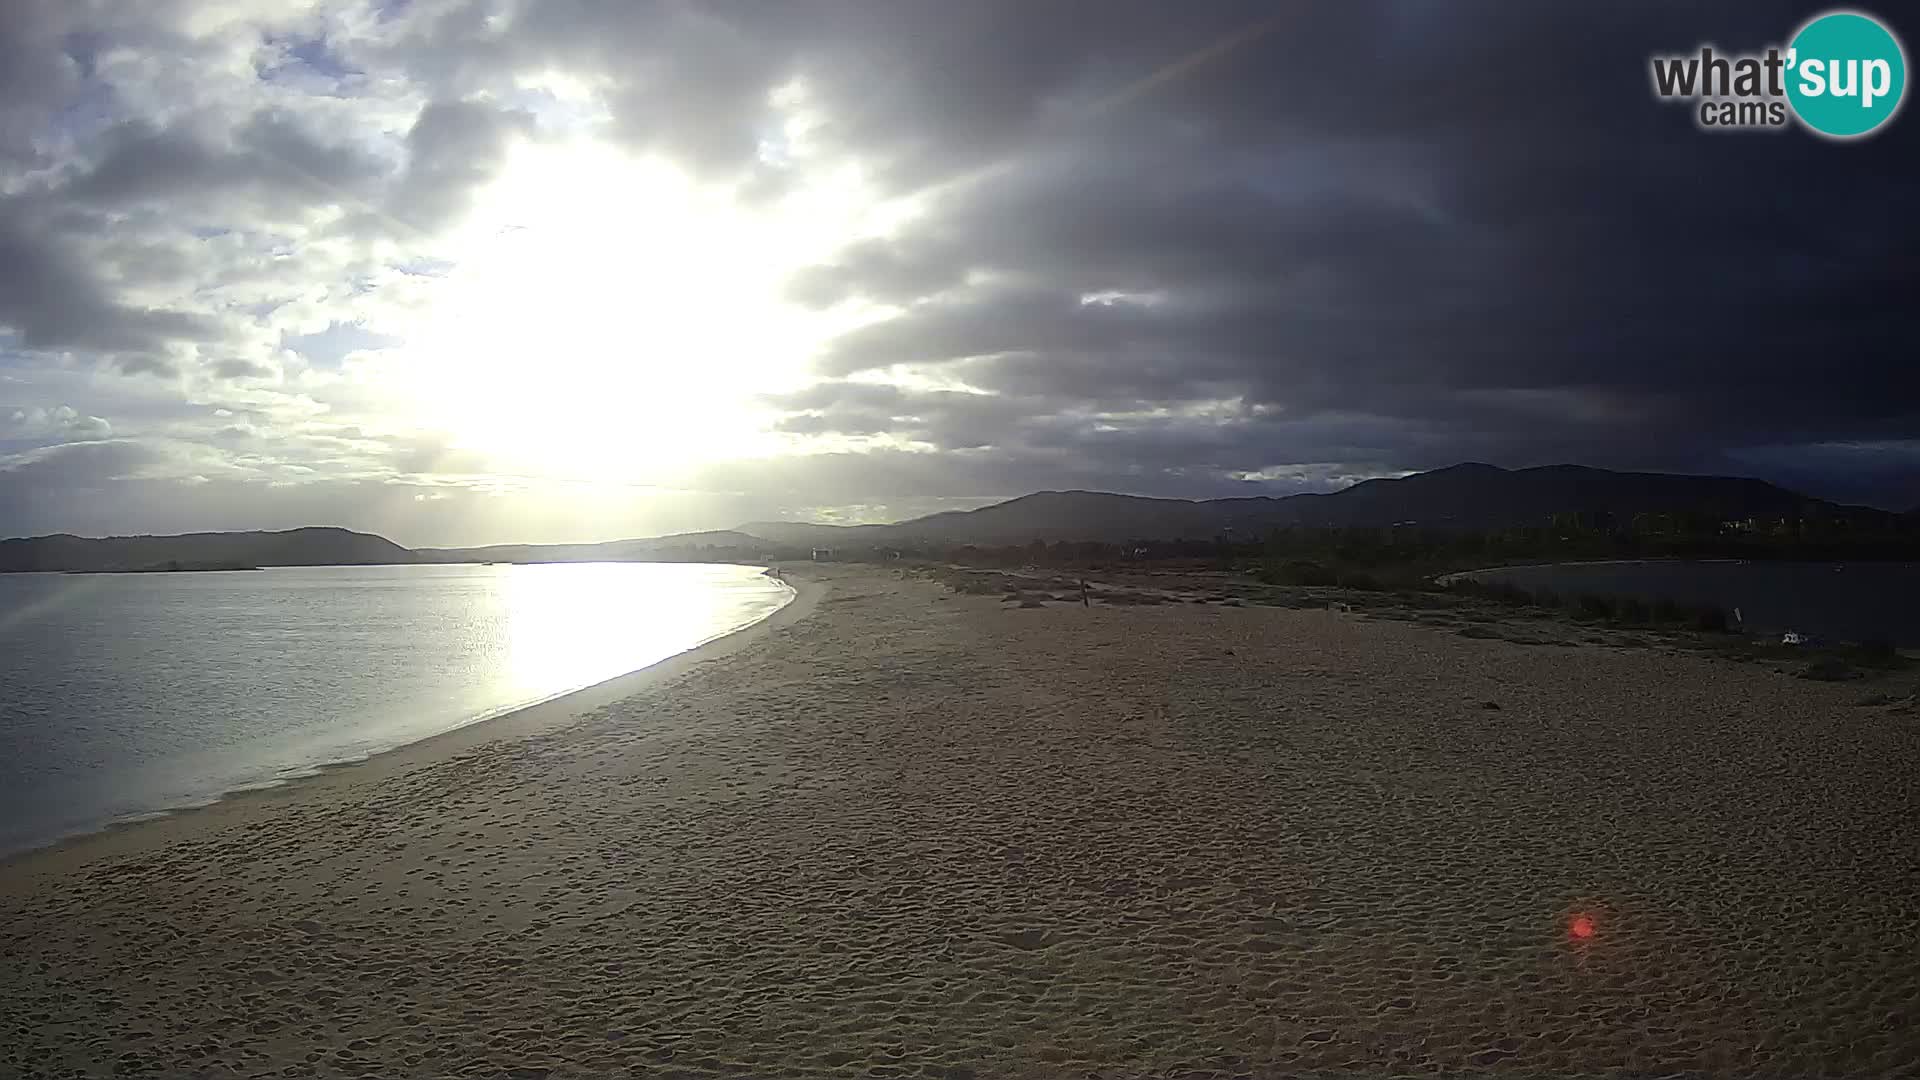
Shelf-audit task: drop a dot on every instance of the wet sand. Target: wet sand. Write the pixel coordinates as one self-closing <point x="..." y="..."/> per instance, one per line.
<point x="897" y="831"/>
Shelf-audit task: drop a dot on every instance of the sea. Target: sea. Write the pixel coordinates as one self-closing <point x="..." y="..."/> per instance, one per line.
<point x="1832" y="602"/>
<point x="129" y="695"/>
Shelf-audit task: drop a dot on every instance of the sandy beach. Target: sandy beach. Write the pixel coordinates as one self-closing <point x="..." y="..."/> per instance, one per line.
<point x="897" y="831"/>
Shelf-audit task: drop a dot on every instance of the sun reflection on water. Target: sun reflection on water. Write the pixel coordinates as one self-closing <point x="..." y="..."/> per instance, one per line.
<point x="571" y="625"/>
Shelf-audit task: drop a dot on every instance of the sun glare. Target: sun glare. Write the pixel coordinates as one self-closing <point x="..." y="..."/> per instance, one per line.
<point x="607" y="318"/>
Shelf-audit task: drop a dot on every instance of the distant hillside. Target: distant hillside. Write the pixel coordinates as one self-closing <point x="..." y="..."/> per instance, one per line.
<point x="1468" y="496"/>
<point x="334" y="547"/>
<point x="810" y="534"/>
<point x="1460" y="497"/>
<point x="295" y="547"/>
<point x="1083" y="515"/>
<point x="652" y="547"/>
<point x="1477" y="496"/>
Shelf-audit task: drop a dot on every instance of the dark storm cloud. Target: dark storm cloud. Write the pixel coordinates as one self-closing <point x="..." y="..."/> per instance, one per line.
<point x="452" y="148"/>
<point x="1467" y="229"/>
<point x="37" y="71"/>
<point x="1153" y="247"/>
<point x="271" y="162"/>
<point x="1482" y="229"/>
<point x="53" y="300"/>
<point x="919" y="89"/>
<point x="70" y="473"/>
<point x="946" y="419"/>
<point x="878" y="270"/>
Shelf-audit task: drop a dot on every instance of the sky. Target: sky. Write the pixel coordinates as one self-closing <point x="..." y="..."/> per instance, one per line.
<point x="478" y="271"/>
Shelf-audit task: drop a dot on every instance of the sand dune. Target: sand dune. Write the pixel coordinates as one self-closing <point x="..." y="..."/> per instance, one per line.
<point x="907" y="833"/>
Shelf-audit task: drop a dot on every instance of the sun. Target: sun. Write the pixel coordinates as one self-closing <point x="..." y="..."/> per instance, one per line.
<point x="609" y="318"/>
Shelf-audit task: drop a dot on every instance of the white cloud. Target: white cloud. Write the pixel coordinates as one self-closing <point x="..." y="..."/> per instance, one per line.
<point x="517" y="255"/>
<point x="60" y="421"/>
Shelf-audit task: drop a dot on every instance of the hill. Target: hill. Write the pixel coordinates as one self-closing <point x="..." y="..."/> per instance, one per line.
<point x="813" y="534"/>
<point x="1460" y="497"/>
<point x="1464" y="497"/>
<point x="1479" y="496"/>
<point x="313" y="546"/>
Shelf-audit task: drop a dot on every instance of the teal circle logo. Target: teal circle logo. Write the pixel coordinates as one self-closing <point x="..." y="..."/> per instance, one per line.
<point x="1846" y="74"/>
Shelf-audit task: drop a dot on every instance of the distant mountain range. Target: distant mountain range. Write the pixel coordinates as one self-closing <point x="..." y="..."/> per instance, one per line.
<point x="1460" y="497"/>
<point x="295" y="547"/>
<point x="324" y="547"/>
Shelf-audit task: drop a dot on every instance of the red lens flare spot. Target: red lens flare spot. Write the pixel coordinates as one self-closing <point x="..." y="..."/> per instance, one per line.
<point x="1580" y="928"/>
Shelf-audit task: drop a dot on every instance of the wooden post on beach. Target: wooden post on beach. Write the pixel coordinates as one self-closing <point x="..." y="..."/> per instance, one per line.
<point x="1083" y="593"/>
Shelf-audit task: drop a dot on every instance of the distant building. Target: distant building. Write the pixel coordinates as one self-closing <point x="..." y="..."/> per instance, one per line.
<point x="822" y="554"/>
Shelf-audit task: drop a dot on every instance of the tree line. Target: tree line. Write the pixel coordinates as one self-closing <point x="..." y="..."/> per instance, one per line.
<point x="1330" y="556"/>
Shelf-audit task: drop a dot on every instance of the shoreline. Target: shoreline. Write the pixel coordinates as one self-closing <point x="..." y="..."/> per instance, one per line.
<point x="119" y="835"/>
<point x="899" y="830"/>
<point x="1456" y="574"/>
<point x="1452" y="574"/>
<point x="1761" y="599"/>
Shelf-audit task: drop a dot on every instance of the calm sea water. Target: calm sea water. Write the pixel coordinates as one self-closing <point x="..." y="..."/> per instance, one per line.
<point x="128" y="694"/>
<point x="1833" y="601"/>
